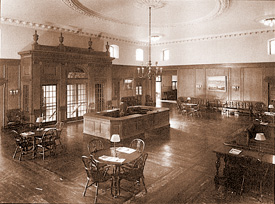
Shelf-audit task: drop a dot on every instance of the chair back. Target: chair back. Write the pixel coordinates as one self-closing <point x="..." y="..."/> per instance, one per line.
<point x="59" y="126"/>
<point x="95" y="145"/>
<point x="94" y="171"/>
<point x="49" y="135"/>
<point x="138" y="144"/>
<point x="140" y="162"/>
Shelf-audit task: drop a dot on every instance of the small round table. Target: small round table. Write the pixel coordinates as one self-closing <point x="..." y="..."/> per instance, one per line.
<point x="116" y="157"/>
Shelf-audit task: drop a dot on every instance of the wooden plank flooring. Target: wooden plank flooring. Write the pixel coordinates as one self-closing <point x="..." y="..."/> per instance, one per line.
<point x="180" y="167"/>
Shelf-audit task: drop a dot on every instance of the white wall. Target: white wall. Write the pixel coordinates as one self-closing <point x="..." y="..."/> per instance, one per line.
<point x="240" y="49"/>
<point x="247" y="47"/>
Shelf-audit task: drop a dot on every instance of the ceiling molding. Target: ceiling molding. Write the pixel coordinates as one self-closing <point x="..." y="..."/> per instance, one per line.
<point x="45" y="27"/>
<point x="221" y="7"/>
<point x="218" y="37"/>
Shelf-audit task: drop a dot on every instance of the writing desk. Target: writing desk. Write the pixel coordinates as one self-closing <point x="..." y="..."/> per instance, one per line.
<point x="224" y="152"/>
<point x="116" y="157"/>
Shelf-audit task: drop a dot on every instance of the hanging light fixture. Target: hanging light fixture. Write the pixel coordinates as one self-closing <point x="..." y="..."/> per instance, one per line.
<point x="268" y="21"/>
<point x="149" y="71"/>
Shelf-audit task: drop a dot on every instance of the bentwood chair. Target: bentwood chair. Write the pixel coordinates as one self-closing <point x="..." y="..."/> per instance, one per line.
<point x="134" y="172"/>
<point x="23" y="145"/>
<point x="95" y="145"/>
<point x="95" y="174"/>
<point x="47" y="142"/>
<point x="138" y="144"/>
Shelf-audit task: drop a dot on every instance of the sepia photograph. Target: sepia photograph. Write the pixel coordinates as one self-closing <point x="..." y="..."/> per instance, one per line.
<point x="137" y="101"/>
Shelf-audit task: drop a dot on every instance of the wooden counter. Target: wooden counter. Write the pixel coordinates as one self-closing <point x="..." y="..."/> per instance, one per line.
<point x="100" y="125"/>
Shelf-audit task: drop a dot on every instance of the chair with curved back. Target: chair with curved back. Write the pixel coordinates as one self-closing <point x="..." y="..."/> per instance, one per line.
<point x="134" y="172"/>
<point x="47" y="142"/>
<point x="95" y="174"/>
<point x="95" y="145"/>
<point x="59" y="127"/>
<point x="22" y="144"/>
<point x="138" y="144"/>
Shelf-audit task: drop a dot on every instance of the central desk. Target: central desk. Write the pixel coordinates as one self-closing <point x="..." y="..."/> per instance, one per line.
<point x="104" y="124"/>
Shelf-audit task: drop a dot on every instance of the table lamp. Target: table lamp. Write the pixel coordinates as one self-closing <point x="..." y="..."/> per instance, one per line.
<point x="260" y="137"/>
<point x="115" y="138"/>
<point x="270" y="107"/>
<point x="39" y="120"/>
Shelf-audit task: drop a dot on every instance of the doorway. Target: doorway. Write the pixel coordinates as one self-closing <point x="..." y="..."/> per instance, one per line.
<point x="158" y="91"/>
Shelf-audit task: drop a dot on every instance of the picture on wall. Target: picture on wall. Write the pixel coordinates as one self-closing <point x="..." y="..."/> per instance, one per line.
<point x="216" y="83"/>
<point x="128" y="84"/>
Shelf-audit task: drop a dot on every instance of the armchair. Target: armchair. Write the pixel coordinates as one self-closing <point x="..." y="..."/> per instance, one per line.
<point x="95" y="174"/>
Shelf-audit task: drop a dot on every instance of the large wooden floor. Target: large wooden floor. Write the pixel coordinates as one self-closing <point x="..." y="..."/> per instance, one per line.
<point x="180" y="167"/>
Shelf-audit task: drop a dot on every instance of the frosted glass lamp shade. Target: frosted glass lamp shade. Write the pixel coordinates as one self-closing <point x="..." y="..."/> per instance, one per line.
<point x="270" y="106"/>
<point x="260" y="137"/>
<point x="39" y="120"/>
<point x="115" y="138"/>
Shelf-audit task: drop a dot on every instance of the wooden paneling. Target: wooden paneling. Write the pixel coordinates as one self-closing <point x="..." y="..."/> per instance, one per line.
<point x="186" y="82"/>
<point x="253" y="84"/>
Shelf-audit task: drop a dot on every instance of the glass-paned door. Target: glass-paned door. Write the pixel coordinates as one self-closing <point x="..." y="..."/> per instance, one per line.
<point x="99" y="98"/>
<point x="76" y="100"/>
<point x="49" y="103"/>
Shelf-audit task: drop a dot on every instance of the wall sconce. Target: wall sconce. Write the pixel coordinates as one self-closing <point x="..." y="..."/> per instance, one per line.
<point x="235" y="88"/>
<point x="14" y="92"/>
<point x="199" y="86"/>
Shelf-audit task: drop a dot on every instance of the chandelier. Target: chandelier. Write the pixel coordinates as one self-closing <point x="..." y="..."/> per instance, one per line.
<point x="149" y="70"/>
<point x="268" y="21"/>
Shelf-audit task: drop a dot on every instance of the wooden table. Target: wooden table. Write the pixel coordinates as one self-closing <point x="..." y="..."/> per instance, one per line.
<point x="223" y="152"/>
<point x="116" y="153"/>
<point x="34" y="135"/>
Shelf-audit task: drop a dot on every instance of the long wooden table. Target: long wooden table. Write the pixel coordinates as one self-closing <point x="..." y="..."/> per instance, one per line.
<point x="223" y="152"/>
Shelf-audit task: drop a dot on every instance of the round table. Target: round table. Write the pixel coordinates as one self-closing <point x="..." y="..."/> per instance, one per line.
<point x="126" y="155"/>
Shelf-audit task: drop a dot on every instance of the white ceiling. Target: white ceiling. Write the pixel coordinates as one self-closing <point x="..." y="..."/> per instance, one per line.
<point x="128" y="19"/>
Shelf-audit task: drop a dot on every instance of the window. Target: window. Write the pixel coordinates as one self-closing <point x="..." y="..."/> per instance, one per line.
<point x="49" y="102"/>
<point x="139" y="90"/>
<point x="158" y="78"/>
<point x="139" y="54"/>
<point x="76" y="100"/>
<point x="174" y="82"/>
<point x="114" y="51"/>
<point x="166" y="55"/>
<point x="271" y="46"/>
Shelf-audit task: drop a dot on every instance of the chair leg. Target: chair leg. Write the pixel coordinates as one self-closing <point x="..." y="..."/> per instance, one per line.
<point x="15" y="152"/>
<point x="43" y="149"/>
<point x="142" y="179"/>
<point x="21" y="153"/>
<point x="86" y="187"/>
<point x="97" y="184"/>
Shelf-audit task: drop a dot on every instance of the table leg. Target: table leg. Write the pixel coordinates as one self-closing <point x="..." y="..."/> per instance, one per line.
<point x="115" y="186"/>
<point x="218" y="163"/>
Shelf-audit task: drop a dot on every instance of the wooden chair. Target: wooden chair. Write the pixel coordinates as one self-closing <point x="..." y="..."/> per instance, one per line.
<point x="23" y="145"/>
<point x="59" y="127"/>
<point x="47" y="142"/>
<point x="134" y="172"/>
<point x="95" y="145"/>
<point x="95" y="174"/>
<point x="138" y="144"/>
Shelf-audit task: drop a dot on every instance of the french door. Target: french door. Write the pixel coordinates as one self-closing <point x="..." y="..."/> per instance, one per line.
<point x="49" y="103"/>
<point x="76" y="101"/>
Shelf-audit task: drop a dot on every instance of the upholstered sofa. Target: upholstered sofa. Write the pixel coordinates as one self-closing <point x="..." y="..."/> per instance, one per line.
<point x="246" y="107"/>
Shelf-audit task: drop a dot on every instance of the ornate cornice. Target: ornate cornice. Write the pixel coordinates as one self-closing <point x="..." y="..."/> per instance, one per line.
<point x="46" y="27"/>
<point x="217" y="37"/>
<point x="37" y="26"/>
